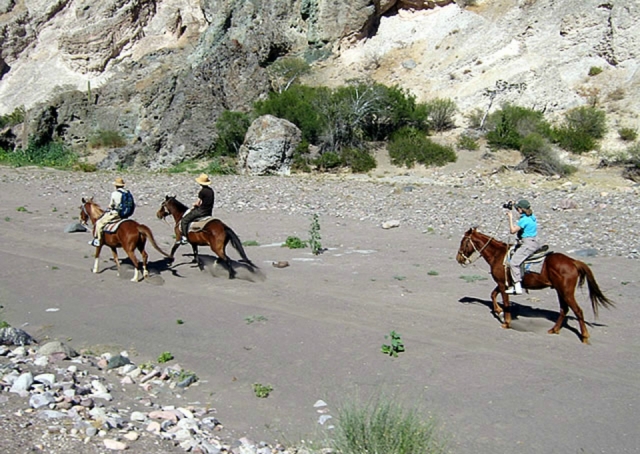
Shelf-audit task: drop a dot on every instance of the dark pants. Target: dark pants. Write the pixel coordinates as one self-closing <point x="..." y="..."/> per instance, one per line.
<point x="191" y="216"/>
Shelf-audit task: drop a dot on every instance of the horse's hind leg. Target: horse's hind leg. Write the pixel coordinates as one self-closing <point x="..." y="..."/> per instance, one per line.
<point x="577" y="310"/>
<point x="145" y="258"/>
<point x="564" y="308"/>
<point x="136" y="265"/>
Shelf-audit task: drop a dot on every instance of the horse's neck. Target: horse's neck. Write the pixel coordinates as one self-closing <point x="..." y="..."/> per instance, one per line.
<point x="95" y="213"/>
<point x="492" y="250"/>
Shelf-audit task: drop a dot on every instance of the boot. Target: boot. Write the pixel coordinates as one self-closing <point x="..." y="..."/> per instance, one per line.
<point x="183" y="240"/>
<point x="515" y="290"/>
<point x="95" y="242"/>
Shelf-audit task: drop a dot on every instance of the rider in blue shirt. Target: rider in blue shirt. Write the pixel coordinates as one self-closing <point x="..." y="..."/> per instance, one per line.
<point x="527" y="231"/>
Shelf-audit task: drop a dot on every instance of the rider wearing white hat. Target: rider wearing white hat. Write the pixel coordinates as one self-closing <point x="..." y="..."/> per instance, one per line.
<point x="111" y="214"/>
<point x="201" y="208"/>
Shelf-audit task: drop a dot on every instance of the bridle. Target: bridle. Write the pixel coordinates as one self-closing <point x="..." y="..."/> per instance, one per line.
<point x="467" y="259"/>
<point x="86" y="213"/>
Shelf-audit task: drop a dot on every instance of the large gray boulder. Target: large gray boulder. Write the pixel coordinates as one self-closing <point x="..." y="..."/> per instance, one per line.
<point x="268" y="147"/>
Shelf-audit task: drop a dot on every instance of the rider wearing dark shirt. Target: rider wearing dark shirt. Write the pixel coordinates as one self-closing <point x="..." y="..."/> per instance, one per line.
<point x="201" y="208"/>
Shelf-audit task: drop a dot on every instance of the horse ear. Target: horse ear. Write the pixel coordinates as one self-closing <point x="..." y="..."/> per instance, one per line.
<point x="83" y="200"/>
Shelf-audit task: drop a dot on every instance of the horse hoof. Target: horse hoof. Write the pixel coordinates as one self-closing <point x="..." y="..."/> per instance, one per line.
<point x="505" y="326"/>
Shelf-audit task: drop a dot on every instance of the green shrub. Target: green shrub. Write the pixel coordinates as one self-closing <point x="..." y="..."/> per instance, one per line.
<point x="293" y="242"/>
<point x="594" y="70"/>
<point x="231" y="127"/>
<point x="328" y="160"/>
<point x="284" y="72"/>
<point x="510" y="124"/>
<point x="221" y="165"/>
<point x="301" y="158"/>
<point x="466" y="142"/>
<point x="574" y="140"/>
<point x="106" y="139"/>
<point x="52" y="154"/>
<point x="360" y="161"/>
<point x="541" y="158"/>
<point x="14" y="118"/>
<point x="628" y="134"/>
<point x="409" y="146"/>
<point x="588" y="120"/>
<point x="384" y="426"/>
<point x="441" y="112"/>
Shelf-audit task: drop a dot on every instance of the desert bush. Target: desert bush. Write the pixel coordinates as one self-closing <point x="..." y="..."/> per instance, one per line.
<point x="511" y="123"/>
<point x="106" y="138"/>
<point x="384" y="426"/>
<point x="52" y="154"/>
<point x="475" y="118"/>
<point x="298" y="104"/>
<point x="328" y="160"/>
<point x="628" y="134"/>
<point x="286" y="71"/>
<point x="541" y="158"/>
<point x="14" y="118"/>
<point x="221" y="165"/>
<point x="301" y="158"/>
<point x="572" y="140"/>
<point x="409" y="145"/>
<point x="616" y="95"/>
<point x="466" y="142"/>
<point x="589" y="120"/>
<point x="231" y="127"/>
<point x="359" y="160"/>
<point x="441" y="112"/>
<point x="594" y="70"/>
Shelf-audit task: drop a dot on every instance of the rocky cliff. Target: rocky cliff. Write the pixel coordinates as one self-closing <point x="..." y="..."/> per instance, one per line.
<point x="160" y="72"/>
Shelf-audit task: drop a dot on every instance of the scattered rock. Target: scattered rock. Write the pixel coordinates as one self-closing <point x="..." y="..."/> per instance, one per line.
<point x="280" y="264"/>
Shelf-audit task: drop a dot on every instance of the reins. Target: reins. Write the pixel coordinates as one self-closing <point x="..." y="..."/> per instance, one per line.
<point x="468" y="260"/>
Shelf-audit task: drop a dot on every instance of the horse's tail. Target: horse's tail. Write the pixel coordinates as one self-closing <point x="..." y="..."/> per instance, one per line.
<point x="595" y="294"/>
<point x="146" y="231"/>
<point x="237" y="244"/>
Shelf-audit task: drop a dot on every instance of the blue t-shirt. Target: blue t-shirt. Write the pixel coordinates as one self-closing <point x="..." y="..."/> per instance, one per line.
<point x="529" y="226"/>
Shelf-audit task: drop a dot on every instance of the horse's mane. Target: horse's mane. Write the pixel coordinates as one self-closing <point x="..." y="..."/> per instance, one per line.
<point x="491" y="239"/>
<point x="179" y="204"/>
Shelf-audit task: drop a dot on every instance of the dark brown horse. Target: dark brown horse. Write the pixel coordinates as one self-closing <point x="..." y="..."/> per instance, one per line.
<point x="214" y="233"/>
<point x="559" y="272"/>
<point x="129" y="236"/>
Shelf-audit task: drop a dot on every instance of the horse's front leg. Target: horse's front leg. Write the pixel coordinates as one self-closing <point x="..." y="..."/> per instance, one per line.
<point x="497" y="310"/>
<point x="115" y="259"/>
<point x="195" y="252"/>
<point x="96" y="257"/>
<point x="506" y="316"/>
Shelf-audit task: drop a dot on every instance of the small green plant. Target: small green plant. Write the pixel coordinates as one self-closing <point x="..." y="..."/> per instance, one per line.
<point x="255" y="318"/>
<point x="21" y="209"/>
<point x="594" y="71"/>
<point x="473" y="278"/>
<point x="314" y="236"/>
<point x="180" y="321"/>
<point x="433" y="273"/>
<point x="55" y="268"/>
<point x="384" y="426"/>
<point x="146" y="366"/>
<point x="293" y="242"/>
<point x="14" y="118"/>
<point x="165" y="357"/>
<point x="394" y="347"/>
<point x="250" y="243"/>
<point x="7" y="218"/>
<point x="262" y="391"/>
<point x="628" y="134"/>
<point x="466" y="142"/>
<point x="399" y="278"/>
<point x="106" y="139"/>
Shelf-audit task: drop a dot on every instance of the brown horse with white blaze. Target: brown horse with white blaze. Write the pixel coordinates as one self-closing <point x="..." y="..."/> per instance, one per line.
<point x="559" y="272"/>
<point x="215" y="234"/>
<point x="129" y="236"/>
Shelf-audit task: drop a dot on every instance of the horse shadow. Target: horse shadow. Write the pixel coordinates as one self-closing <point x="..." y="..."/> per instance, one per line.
<point x="519" y="310"/>
<point x="155" y="267"/>
<point x="218" y="268"/>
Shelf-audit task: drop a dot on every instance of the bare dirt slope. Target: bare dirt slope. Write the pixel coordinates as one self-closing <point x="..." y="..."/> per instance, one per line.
<point x="318" y="326"/>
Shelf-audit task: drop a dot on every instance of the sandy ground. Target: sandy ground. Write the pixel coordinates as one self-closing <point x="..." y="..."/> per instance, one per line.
<point x="318" y="326"/>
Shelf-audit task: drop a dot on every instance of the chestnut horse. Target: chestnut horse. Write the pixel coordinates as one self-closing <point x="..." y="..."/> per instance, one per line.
<point x="129" y="236"/>
<point x="215" y="234"/>
<point x="559" y="272"/>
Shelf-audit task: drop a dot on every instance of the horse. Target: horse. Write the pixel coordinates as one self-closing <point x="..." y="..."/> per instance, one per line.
<point x="129" y="236"/>
<point x="215" y="233"/>
<point x="559" y="272"/>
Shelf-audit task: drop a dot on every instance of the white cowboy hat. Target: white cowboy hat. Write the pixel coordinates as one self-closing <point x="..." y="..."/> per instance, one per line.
<point x="119" y="182"/>
<point x="203" y="179"/>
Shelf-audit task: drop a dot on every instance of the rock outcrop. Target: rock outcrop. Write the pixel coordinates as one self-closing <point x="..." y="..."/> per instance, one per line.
<point x="160" y="73"/>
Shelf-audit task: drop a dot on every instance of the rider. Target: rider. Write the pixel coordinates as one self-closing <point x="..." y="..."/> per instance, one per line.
<point x="201" y="208"/>
<point x="111" y="214"/>
<point x="527" y="231"/>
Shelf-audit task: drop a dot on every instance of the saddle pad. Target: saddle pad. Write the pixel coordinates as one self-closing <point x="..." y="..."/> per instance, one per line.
<point x="111" y="227"/>
<point x="199" y="224"/>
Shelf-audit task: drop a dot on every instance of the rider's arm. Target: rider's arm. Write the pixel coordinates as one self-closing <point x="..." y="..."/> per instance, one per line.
<point x="512" y="228"/>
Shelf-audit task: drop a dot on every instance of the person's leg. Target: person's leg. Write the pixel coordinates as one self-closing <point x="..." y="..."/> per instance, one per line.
<point x="184" y="223"/>
<point x="100" y="223"/>
<point x="520" y="255"/>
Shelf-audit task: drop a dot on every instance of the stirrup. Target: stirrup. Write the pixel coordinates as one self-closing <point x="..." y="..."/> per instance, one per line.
<point x="94" y="242"/>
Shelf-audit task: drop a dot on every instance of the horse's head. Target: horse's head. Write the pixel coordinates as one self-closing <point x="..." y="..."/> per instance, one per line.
<point x="86" y="209"/>
<point x="164" y="210"/>
<point x="467" y="248"/>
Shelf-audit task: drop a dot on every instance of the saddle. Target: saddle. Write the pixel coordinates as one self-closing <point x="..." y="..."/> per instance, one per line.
<point x="111" y="227"/>
<point x="536" y="258"/>
<point x="199" y="224"/>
